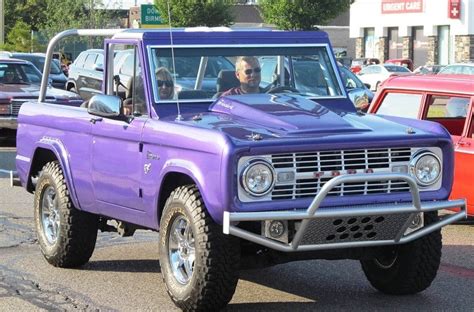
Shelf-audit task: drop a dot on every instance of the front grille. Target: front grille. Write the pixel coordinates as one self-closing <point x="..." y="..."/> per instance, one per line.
<point x="16" y="105"/>
<point x="313" y="169"/>
<point x="353" y="229"/>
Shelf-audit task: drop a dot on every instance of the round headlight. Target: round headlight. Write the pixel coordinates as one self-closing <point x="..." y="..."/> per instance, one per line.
<point x="258" y="178"/>
<point x="426" y="168"/>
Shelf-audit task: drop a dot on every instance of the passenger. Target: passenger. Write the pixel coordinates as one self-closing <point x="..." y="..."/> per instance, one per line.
<point x="165" y="84"/>
<point x="247" y="71"/>
<point x="10" y="76"/>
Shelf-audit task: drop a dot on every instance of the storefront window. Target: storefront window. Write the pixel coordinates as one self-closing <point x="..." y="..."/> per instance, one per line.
<point x="444" y="45"/>
<point x="420" y="46"/>
<point x="369" y="37"/>
<point x="395" y="45"/>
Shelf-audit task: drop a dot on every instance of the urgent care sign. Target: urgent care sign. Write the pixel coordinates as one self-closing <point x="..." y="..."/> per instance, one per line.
<point x="402" y="6"/>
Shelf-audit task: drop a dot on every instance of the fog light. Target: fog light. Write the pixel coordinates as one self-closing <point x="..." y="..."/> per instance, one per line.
<point x="276" y="229"/>
<point x="415" y="224"/>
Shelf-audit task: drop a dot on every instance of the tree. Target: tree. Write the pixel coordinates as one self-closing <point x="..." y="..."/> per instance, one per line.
<point x="189" y="13"/>
<point x="31" y="12"/>
<point x="19" y="39"/>
<point x="301" y="14"/>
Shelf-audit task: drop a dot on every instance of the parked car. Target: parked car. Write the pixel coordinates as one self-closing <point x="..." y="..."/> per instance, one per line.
<point x="86" y="73"/>
<point x="374" y="75"/>
<point x="428" y="69"/>
<point x="359" y="93"/>
<point x="458" y="69"/>
<point x="241" y="181"/>
<point x="20" y="82"/>
<point x="445" y="99"/>
<point x="359" y="63"/>
<point x="401" y="62"/>
<point x="58" y="79"/>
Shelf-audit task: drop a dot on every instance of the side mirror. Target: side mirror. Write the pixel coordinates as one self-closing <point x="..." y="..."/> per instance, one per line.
<point x="105" y="106"/>
<point x="367" y="85"/>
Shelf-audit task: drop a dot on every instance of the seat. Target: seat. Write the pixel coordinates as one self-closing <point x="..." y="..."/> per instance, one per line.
<point x="226" y="80"/>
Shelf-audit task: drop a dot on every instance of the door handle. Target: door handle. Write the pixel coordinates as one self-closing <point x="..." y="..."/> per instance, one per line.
<point x="95" y="119"/>
<point x="464" y="143"/>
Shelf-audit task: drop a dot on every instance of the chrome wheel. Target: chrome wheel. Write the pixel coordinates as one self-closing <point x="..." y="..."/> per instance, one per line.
<point x="181" y="250"/>
<point x="50" y="215"/>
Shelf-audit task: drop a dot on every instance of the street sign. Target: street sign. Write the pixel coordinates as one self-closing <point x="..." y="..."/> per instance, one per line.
<point x="150" y="15"/>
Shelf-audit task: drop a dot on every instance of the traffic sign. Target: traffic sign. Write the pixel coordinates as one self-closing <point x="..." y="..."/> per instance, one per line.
<point x="150" y="15"/>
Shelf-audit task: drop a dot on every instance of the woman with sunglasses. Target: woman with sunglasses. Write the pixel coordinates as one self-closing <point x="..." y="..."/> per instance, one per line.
<point x="247" y="71"/>
<point x="165" y="84"/>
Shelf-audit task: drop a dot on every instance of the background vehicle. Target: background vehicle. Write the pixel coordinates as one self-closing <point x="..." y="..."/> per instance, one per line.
<point x="401" y="62"/>
<point x="446" y="99"/>
<point x="428" y="69"/>
<point x="265" y="178"/>
<point x="358" y="64"/>
<point x="374" y="75"/>
<point x="458" y="69"/>
<point x="86" y="73"/>
<point x="58" y="79"/>
<point x="358" y="92"/>
<point x="20" y="82"/>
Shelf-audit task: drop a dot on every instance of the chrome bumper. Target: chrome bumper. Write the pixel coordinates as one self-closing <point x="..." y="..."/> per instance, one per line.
<point x="312" y="213"/>
<point x="8" y="122"/>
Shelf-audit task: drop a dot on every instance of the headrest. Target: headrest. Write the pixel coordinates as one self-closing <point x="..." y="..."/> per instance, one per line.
<point x="226" y="80"/>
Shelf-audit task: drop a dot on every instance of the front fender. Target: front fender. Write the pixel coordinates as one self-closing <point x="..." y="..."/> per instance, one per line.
<point x="207" y="182"/>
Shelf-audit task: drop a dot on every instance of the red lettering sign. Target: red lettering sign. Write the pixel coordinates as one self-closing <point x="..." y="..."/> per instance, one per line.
<point x="454" y="9"/>
<point x="402" y="6"/>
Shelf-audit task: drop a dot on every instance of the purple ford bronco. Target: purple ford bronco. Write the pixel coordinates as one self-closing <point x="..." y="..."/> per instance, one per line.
<point x="292" y="173"/>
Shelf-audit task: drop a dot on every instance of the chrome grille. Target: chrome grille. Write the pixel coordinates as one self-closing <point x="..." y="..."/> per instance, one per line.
<point x="313" y="169"/>
<point x="16" y="105"/>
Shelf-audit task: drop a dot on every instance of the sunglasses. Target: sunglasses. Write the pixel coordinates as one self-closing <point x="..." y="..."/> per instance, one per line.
<point x="167" y="83"/>
<point x="256" y="70"/>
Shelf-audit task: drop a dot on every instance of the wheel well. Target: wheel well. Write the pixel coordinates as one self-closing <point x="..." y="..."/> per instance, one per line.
<point x="171" y="181"/>
<point x="42" y="156"/>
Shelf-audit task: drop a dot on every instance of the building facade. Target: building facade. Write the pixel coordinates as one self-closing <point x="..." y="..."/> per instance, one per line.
<point x="426" y="31"/>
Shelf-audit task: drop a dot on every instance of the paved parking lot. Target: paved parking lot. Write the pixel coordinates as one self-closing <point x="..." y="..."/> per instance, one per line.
<point x="123" y="275"/>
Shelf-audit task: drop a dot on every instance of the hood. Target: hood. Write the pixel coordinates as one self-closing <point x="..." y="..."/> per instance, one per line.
<point x="282" y="112"/>
<point x="288" y="117"/>
<point x="31" y="91"/>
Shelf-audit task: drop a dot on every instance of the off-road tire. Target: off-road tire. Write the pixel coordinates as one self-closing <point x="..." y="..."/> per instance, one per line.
<point x="217" y="256"/>
<point x="414" y="268"/>
<point x="77" y="230"/>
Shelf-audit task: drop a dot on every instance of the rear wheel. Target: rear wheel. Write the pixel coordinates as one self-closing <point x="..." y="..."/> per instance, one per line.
<point x="199" y="264"/>
<point x="66" y="235"/>
<point x="408" y="268"/>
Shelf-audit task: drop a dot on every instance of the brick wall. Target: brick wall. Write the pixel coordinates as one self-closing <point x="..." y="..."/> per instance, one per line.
<point x="464" y="50"/>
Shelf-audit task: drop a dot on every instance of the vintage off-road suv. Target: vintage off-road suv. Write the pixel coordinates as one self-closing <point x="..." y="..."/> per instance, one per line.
<point x="294" y="172"/>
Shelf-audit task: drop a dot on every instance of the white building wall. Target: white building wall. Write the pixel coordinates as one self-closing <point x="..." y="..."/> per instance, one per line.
<point x="368" y="13"/>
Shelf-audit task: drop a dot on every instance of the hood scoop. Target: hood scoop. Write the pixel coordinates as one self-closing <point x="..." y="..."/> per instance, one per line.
<point x="293" y="114"/>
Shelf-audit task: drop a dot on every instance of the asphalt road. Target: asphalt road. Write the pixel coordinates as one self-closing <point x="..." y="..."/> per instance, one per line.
<point x="123" y="275"/>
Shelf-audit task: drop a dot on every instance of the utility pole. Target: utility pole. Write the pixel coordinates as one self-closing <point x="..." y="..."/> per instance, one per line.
<point x="2" y="22"/>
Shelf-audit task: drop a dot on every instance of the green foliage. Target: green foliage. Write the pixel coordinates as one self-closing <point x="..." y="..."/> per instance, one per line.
<point x="301" y="14"/>
<point x="19" y="39"/>
<point x="190" y="13"/>
<point x="31" y="12"/>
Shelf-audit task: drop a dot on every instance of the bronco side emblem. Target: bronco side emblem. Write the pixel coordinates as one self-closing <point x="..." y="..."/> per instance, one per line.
<point x="146" y="168"/>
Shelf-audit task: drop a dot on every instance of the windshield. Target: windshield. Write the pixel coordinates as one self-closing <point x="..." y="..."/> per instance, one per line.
<point x="39" y="61"/>
<point x="207" y="73"/>
<point x="13" y="73"/>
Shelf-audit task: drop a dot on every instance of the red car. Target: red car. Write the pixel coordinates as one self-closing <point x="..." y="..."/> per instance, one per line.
<point x="447" y="99"/>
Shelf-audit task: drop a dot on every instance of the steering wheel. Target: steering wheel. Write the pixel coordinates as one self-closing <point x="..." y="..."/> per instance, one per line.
<point x="280" y="89"/>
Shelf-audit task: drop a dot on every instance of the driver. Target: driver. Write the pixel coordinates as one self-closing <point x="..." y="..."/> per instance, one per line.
<point x="247" y="71"/>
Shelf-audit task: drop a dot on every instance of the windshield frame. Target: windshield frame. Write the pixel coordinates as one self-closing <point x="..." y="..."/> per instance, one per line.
<point x="151" y="63"/>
